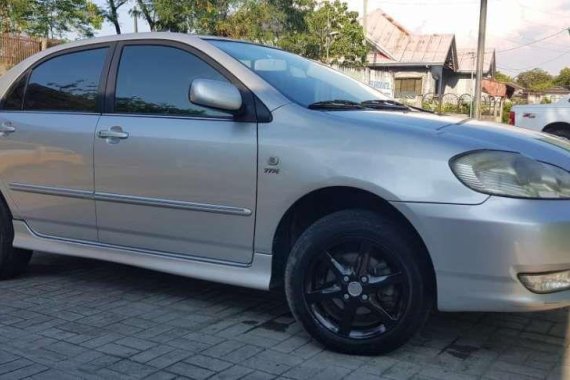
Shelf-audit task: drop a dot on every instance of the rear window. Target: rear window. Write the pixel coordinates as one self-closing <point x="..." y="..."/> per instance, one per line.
<point x="68" y="82"/>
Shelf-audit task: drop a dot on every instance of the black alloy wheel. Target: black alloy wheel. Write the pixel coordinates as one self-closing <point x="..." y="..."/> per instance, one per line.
<point x="359" y="282"/>
<point x="354" y="291"/>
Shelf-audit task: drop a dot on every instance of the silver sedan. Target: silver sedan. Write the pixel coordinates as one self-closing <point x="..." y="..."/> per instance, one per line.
<point x="244" y="164"/>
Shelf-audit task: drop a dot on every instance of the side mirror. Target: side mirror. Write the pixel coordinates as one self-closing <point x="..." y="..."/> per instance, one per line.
<point x="216" y="94"/>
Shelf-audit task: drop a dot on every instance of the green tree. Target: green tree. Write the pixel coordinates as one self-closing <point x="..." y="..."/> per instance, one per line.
<point x="199" y="16"/>
<point x="56" y="18"/>
<point x="335" y="35"/>
<point x="257" y="21"/>
<point x="328" y="32"/>
<point x="503" y="78"/>
<point x="563" y="79"/>
<point x="12" y="15"/>
<point x="535" y="79"/>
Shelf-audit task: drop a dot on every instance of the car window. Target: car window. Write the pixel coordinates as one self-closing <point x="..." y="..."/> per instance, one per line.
<point x="68" y="82"/>
<point x="156" y="80"/>
<point x="15" y="97"/>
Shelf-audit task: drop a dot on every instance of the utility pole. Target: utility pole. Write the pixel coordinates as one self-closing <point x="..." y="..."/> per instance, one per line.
<point x="135" y="12"/>
<point x="365" y="14"/>
<point x="480" y="58"/>
<point x="136" y="22"/>
<point x="473" y="61"/>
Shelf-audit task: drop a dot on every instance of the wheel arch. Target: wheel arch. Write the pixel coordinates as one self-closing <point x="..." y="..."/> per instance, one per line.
<point x="324" y="201"/>
<point x="549" y="128"/>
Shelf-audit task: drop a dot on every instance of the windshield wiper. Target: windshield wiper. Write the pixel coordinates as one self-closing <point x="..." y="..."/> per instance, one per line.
<point x="385" y="105"/>
<point x="390" y="105"/>
<point x="335" y="104"/>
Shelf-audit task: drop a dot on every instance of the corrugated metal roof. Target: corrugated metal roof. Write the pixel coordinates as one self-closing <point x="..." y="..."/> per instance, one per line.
<point x="467" y="60"/>
<point x="400" y="45"/>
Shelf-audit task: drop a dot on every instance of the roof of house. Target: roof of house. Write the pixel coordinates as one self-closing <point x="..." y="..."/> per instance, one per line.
<point x="467" y="60"/>
<point x="396" y="46"/>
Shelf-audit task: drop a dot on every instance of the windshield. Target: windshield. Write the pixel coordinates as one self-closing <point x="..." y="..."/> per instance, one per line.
<point x="301" y="80"/>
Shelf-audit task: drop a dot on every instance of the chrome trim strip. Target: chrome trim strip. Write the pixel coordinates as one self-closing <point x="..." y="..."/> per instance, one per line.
<point x="155" y="202"/>
<point x="48" y="190"/>
<point x="128" y="199"/>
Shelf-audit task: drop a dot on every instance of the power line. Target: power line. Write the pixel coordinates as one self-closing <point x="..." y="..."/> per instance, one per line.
<point x="536" y="65"/>
<point x="533" y="42"/>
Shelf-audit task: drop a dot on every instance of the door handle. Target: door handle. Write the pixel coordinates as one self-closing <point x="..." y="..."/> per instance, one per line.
<point x="6" y="128"/>
<point x="113" y="134"/>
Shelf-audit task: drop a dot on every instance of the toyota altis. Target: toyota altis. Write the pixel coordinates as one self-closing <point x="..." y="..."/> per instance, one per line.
<point x="244" y="164"/>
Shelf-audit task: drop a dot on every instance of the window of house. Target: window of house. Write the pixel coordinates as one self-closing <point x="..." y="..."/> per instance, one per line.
<point x="407" y="87"/>
<point x="156" y="80"/>
<point x="68" y="82"/>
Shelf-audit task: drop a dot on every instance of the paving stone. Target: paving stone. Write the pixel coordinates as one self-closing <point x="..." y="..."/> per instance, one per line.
<point x="190" y="371"/>
<point x="232" y="373"/>
<point x="136" y="343"/>
<point x="25" y="372"/>
<point x="169" y="358"/>
<point x="215" y="365"/>
<point x="117" y="350"/>
<point x="70" y="318"/>
<point x="272" y="362"/>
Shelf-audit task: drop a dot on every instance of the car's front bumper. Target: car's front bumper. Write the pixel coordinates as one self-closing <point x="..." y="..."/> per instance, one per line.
<point x="478" y="251"/>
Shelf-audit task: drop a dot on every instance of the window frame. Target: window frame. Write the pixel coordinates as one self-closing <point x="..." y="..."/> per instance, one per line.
<point x="23" y="76"/>
<point x="27" y="73"/>
<point x="250" y="102"/>
<point x="402" y="79"/>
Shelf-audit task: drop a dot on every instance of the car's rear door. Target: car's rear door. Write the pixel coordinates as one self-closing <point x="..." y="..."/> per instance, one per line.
<point x="47" y="126"/>
<point x="172" y="177"/>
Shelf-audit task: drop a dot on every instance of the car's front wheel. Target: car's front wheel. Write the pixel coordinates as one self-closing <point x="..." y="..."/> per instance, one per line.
<point x="357" y="282"/>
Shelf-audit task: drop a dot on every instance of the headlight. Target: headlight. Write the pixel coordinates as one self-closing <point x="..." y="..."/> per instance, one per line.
<point x="511" y="175"/>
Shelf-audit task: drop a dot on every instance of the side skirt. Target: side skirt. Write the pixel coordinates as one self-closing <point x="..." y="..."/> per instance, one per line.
<point x="255" y="275"/>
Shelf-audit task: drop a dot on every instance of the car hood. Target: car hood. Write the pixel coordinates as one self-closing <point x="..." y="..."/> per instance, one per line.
<point x="470" y="134"/>
<point x="424" y="120"/>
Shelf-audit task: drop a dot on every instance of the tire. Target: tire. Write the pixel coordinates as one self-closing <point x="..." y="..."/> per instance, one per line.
<point x="359" y="283"/>
<point x="13" y="261"/>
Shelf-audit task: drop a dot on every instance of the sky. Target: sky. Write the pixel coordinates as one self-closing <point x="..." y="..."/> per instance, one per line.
<point x="510" y="24"/>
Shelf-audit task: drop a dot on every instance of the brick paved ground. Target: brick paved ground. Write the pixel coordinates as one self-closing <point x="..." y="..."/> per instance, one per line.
<point x="71" y="318"/>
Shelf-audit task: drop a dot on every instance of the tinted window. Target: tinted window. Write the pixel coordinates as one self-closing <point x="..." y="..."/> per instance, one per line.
<point x="68" y="82"/>
<point x="15" y="97"/>
<point x="157" y="79"/>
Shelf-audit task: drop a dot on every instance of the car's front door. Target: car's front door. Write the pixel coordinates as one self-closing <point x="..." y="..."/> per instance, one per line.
<point x="47" y="123"/>
<point x="172" y="177"/>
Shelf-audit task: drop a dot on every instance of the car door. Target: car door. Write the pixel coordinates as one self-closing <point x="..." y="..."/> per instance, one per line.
<point x="172" y="177"/>
<point x="48" y="119"/>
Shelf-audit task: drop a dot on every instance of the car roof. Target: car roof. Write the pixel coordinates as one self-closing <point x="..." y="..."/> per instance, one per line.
<point x="271" y="97"/>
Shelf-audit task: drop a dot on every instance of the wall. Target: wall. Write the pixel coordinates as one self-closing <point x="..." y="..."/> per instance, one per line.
<point x="383" y="81"/>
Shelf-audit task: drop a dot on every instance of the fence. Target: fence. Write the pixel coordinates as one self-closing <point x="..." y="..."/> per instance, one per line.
<point x="380" y="80"/>
<point x="14" y="48"/>
<point x="449" y="103"/>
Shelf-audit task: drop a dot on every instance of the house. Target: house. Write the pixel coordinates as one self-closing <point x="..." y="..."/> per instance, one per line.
<point x="550" y="95"/>
<point x="421" y="64"/>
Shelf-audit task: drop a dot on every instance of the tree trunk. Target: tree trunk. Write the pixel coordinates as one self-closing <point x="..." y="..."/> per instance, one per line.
<point x="146" y="14"/>
<point x="113" y="16"/>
